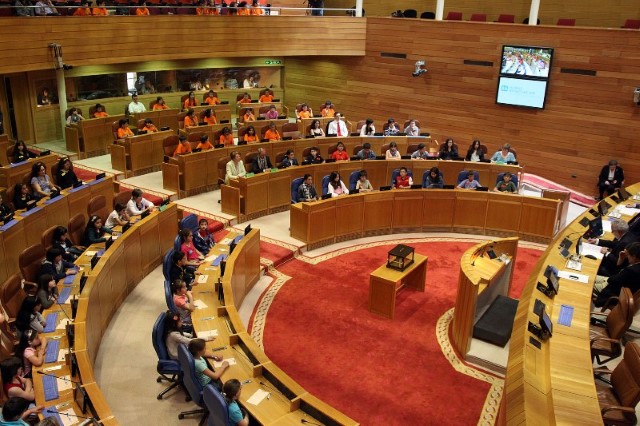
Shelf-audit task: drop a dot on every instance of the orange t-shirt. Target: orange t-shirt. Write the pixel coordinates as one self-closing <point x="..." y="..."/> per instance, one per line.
<point x="272" y="135"/>
<point x="226" y="140"/>
<point x="212" y="100"/>
<point x="266" y="98"/>
<point x="304" y="114"/>
<point x="328" y="112"/>
<point x="201" y="11"/>
<point x="189" y="122"/>
<point x="82" y="11"/>
<point x="340" y="155"/>
<point x="150" y="128"/>
<point x="100" y="11"/>
<point x="142" y="11"/>
<point x="188" y="103"/>
<point x="249" y="117"/>
<point x="158" y="107"/>
<point x="244" y="11"/>
<point x="211" y="11"/>
<point x="244" y="101"/>
<point x="257" y="11"/>
<point x="100" y="114"/>
<point x="182" y="149"/>
<point x="123" y="133"/>
<point x="204" y="146"/>
<point x="250" y="138"/>
<point x="211" y="120"/>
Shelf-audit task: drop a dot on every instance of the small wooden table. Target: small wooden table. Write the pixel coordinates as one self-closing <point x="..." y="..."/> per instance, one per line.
<point x="385" y="282"/>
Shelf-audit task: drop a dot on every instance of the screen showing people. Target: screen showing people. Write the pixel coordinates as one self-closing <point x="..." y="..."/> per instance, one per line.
<point x="526" y="61"/>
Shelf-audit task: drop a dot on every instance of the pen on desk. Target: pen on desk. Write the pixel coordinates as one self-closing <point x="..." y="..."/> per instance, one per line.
<point x="207" y="318"/>
<point x="269" y="395"/>
<point x="221" y="348"/>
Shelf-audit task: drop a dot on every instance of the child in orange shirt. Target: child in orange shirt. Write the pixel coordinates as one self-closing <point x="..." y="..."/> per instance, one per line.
<point x="190" y="119"/>
<point x="272" y="133"/>
<point x="267" y="97"/>
<point x="100" y="113"/>
<point x="190" y="101"/>
<point x="248" y="115"/>
<point x="210" y="117"/>
<point x="256" y="10"/>
<point x="124" y="131"/>
<point x="100" y="10"/>
<point x="226" y="137"/>
<point x="328" y="110"/>
<point x="246" y="99"/>
<point x="160" y="105"/>
<point x="212" y="99"/>
<point x="149" y="127"/>
<point x="204" y="143"/>
<point x="250" y="135"/>
<point x="142" y="10"/>
<point x="184" y="147"/>
<point x="305" y="112"/>
<point x="83" y="10"/>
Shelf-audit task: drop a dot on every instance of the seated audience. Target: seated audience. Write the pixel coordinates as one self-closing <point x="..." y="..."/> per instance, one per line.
<point x="194" y="257"/>
<point x="149" y="127"/>
<point x="368" y="129"/>
<point x="340" y="154"/>
<point x="29" y="316"/>
<point x="47" y="291"/>
<point x="123" y="130"/>
<point x="231" y="391"/>
<point x="448" y="150"/>
<point x="61" y="241"/>
<point x="22" y="9"/>
<point x="475" y="152"/>
<point x="100" y="10"/>
<point x="206" y="374"/>
<point x="5" y="210"/>
<point x="612" y="248"/>
<point x="118" y="217"/>
<point x="17" y="409"/>
<point x="183" y="300"/>
<point x="190" y="120"/>
<point x="183" y="147"/>
<point x="628" y="276"/>
<point x="160" y="104"/>
<point x="100" y="112"/>
<point x="337" y="126"/>
<point x="137" y="204"/>
<point x="392" y="128"/>
<point x="336" y="186"/>
<point x="267" y="97"/>
<point x="272" y="133"/>
<point x="43" y="97"/>
<point x="363" y="184"/>
<point x="328" y="111"/>
<point x="142" y="10"/>
<point x="209" y="117"/>
<point x="204" y="143"/>
<point x="421" y="153"/>
<point x="412" y="129"/>
<point x="470" y="182"/>
<point x="55" y="265"/>
<point x="211" y="98"/>
<point x="21" y="152"/>
<point x="202" y="238"/>
<point x="306" y="190"/>
<point x="611" y="178"/>
<point x="289" y="159"/>
<point x="226" y="137"/>
<point x="180" y="271"/>
<point x="250" y="135"/>
<point x="65" y="176"/>
<point x="74" y="117"/>
<point x="305" y="112"/>
<point x="246" y="99"/>
<point x="272" y="114"/>
<point x="45" y="8"/>
<point x="316" y="129"/>
<point x="83" y="10"/>
<point x="16" y="386"/>
<point x="366" y="153"/>
<point x="403" y="180"/>
<point x="95" y="232"/>
<point x="174" y="333"/>
<point x="235" y="167"/>
<point x="504" y="155"/>
<point x="506" y="185"/>
<point x="314" y="156"/>
<point x="434" y="179"/>
<point x="41" y="183"/>
<point x="248" y="115"/>
<point x="249" y="82"/>
<point x="135" y="106"/>
<point x="21" y="196"/>
<point x="262" y="162"/>
<point x="190" y="102"/>
<point x="392" y="153"/>
<point x="31" y="350"/>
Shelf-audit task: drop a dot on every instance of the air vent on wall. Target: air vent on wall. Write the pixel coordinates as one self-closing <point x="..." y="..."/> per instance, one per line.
<point x="578" y="71"/>
<point x="478" y="63"/>
<point x="393" y="55"/>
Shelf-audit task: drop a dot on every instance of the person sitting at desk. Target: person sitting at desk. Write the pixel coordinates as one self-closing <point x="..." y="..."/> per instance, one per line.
<point x="149" y="127"/>
<point x="5" y="210"/>
<point x="315" y="129"/>
<point x="55" y="265"/>
<point x="205" y="374"/>
<point x="123" y="130"/>
<point x="475" y="152"/>
<point x="118" y="217"/>
<point x="226" y="137"/>
<point x="246" y="99"/>
<point x="175" y="333"/>
<point x="314" y="156"/>
<point x="190" y="120"/>
<point x="434" y="179"/>
<point x="611" y="178"/>
<point x="142" y="10"/>
<point x="628" y="276"/>
<point x="337" y="126"/>
<point x="202" y="238"/>
<point x="392" y="128"/>
<point x="448" y="150"/>
<point x="272" y="133"/>
<point x="211" y="98"/>
<point x="289" y="159"/>
<point x="202" y="8"/>
<point x="190" y="102"/>
<point x="135" y="106"/>
<point x="470" y="182"/>
<point x="506" y="185"/>
<point x="32" y="347"/>
<point x="267" y="97"/>
<point x="137" y="204"/>
<point x="16" y="386"/>
<point x="61" y="241"/>
<point x="22" y="9"/>
<point x="392" y="153"/>
<point x="184" y="147"/>
<point x="262" y="162"/>
<point x="340" y="154"/>
<point x="336" y="186"/>
<point x="16" y="411"/>
<point x="231" y="391"/>
<point x="29" y="316"/>
<point x="366" y="153"/>
<point x="306" y="190"/>
<point x="21" y="196"/>
<point x="194" y="257"/>
<point x="43" y="97"/>
<point x="249" y="82"/>
<point x="65" y="176"/>
<point x="204" y="143"/>
<point x="41" y="183"/>
<point x="47" y="291"/>
<point x="160" y="104"/>
<point x="183" y="300"/>
<point x="368" y="129"/>
<point x="420" y="153"/>
<point x="403" y="180"/>
<point x="305" y="112"/>
<point x="412" y="129"/>
<point x="234" y="168"/>
<point x="272" y="114"/>
<point x="95" y="232"/>
<point x="209" y="117"/>
<point x="248" y="115"/>
<point x="363" y="184"/>
<point x="83" y="10"/>
<point x="100" y="10"/>
<point x="328" y="111"/>
<point x="74" y="117"/>
<point x="180" y="271"/>
<point x="611" y="248"/>
<point x="46" y="8"/>
<point x="21" y="152"/>
<point x="504" y="155"/>
<point x="250" y="135"/>
<point x="100" y="112"/>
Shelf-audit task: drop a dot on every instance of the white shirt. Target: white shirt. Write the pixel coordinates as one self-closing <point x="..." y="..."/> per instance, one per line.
<point x="415" y="131"/>
<point x="112" y="220"/>
<point x="363" y="130"/>
<point x="333" y="128"/>
<point x="612" y="173"/>
<point x="133" y="210"/>
<point x="136" y="107"/>
<point x="332" y="190"/>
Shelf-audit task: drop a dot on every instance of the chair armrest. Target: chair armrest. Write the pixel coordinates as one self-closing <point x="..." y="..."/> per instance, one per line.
<point x="29" y="287"/>
<point x="601" y="313"/>
<point x="608" y="303"/>
<point x="627" y="410"/>
<point x="604" y="339"/>
<point x="602" y="370"/>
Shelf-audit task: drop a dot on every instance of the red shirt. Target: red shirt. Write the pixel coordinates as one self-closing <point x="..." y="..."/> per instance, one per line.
<point x="340" y="155"/>
<point x="190" y="251"/>
<point x="402" y="182"/>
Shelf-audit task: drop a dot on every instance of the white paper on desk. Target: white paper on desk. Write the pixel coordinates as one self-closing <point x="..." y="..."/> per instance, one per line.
<point x="68" y="421"/>
<point x="573" y="276"/>
<point x="64" y="385"/>
<point x="230" y="361"/>
<point x="210" y="258"/>
<point x="225" y="241"/>
<point x="199" y="304"/>
<point x="62" y="354"/>
<point x="257" y="397"/>
<point x="202" y="279"/>
<point x="90" y="253"/>
<point x="627" y="210"/>
<point x="592" y="249"/>
<point x="606" y="225"/>
<point x="63" y="323"/>
<point x="208" y="334"/>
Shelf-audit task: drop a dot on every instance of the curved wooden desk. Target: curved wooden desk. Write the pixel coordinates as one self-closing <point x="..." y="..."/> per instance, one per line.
<point x="344" y="218"/>
<point x="554" y="384"/>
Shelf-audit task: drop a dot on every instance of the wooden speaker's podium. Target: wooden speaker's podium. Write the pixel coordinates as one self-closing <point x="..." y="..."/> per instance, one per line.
<point x="485" y="273"/>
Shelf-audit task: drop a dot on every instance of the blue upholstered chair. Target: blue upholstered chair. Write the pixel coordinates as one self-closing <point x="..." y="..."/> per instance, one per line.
<point x="395" y="174"/>
<point x="168" y="296"/>
<point x="166" y="264"/>
<point x="294" y="189"/>
<point x="463" y="175"/>
<point x="514" y="178"/>
<point x="177" y="243"/>
<point x="353" y="179"/>
<point x="190" y="222"/>
<point x="169" y="369"/>
<point x="192" y="384"/>
<point x="325" y="185"/>
<point x="217" y="406"/>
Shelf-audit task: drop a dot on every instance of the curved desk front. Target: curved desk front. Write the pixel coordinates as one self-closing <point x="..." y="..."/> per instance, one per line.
<point x="554" y="384"/>
<point x="348" y="217"/>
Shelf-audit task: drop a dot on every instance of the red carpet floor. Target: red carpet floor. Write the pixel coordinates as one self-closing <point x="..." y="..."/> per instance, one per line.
<point x="377" y="371"/>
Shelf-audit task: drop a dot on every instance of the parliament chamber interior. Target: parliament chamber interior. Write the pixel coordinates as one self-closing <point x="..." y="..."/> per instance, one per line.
<point x="380" y="213"/>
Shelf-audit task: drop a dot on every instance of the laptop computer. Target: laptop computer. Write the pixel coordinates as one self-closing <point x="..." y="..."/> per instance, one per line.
<point x="196" y="150"/>
<point x="242" y="142"/>
<point x="482" y="188"/>
<point x="416" y="186"/>
<point x="326" y="196"/>
<point x="385" y="188"/>
<point x="164" y="128"/>
<point x="142" y="132"/>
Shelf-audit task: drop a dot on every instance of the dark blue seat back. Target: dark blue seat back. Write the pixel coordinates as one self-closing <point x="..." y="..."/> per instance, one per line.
<point x="169" y="296"/>
<point x="166" y="365"/>
<point x="189" y="222"/>
<point x="189" y="379"/>
<point x="463" y="175"/>
<point x="395" y="174"/>
<point x="353" y="179"/>
<point x="514" y="179"/>
<point x="177" y="243"/>
<point x="325" y="185"/>
<point x="217" y="406"/>
<point x="294" y="189"/>
<point x="166" y="264"/>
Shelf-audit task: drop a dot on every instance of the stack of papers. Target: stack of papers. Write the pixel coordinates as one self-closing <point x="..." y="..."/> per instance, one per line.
<point x="202" y="279"/>
<point x="199" y="304"/>
<point x="230" y="361"/>
<point x="208" y="334"/>
<point x="592" y="249"/>
<point x="573" y="276"/>
<point x="257" y="397"/>
<point x="64" y="385"/>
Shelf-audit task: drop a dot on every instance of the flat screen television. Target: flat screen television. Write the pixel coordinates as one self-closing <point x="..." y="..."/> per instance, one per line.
<point x="521" y="92"/>
<point x="526" y="61"/>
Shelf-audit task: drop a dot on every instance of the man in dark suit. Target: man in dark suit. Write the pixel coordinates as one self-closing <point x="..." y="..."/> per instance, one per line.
<point x="609" y="265"/>
<point x="262" y="162"/>
<point x="611" y="178"/>
<point x="629" y="276"/>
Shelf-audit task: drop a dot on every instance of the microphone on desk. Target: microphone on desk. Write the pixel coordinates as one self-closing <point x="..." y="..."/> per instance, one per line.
<point x="273" y="389"/>
<point x="59" y="377"/>
<point x="49" y="410"/>
<point x="63" y="311"/>
<point x="221" y="348"/>
<point x="309" y="423"/>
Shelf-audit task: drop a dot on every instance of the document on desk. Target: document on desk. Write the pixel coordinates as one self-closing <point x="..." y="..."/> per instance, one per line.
<point x="592" y="249"/>
<point x="90" y="253"/>
<point x="628" y="211"/>
<point x="208" y="334"/>
<point x="230" y="361"/>
<point x="606" y="225"/>
<point x="63" y="324"/>
<point x="202" y="279"/>
<point x="573" y="276"/>
<point x="199" y="304"/>
<point x="64" y="385"/>
<point x="69" y="420"/>
<point x="62" y="354"/>
<point x="257" y="397"/>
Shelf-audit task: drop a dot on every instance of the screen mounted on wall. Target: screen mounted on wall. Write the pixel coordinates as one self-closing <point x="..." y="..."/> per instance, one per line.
<point x="524" y="75"/>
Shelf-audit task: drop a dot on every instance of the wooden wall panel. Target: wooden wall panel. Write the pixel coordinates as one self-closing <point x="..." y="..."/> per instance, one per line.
<point x="587" y="120"/>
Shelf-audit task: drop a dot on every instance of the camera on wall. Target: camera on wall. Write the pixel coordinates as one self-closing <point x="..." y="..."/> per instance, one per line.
<point x="420" y="69"/>
<point x="636" y="96"/>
